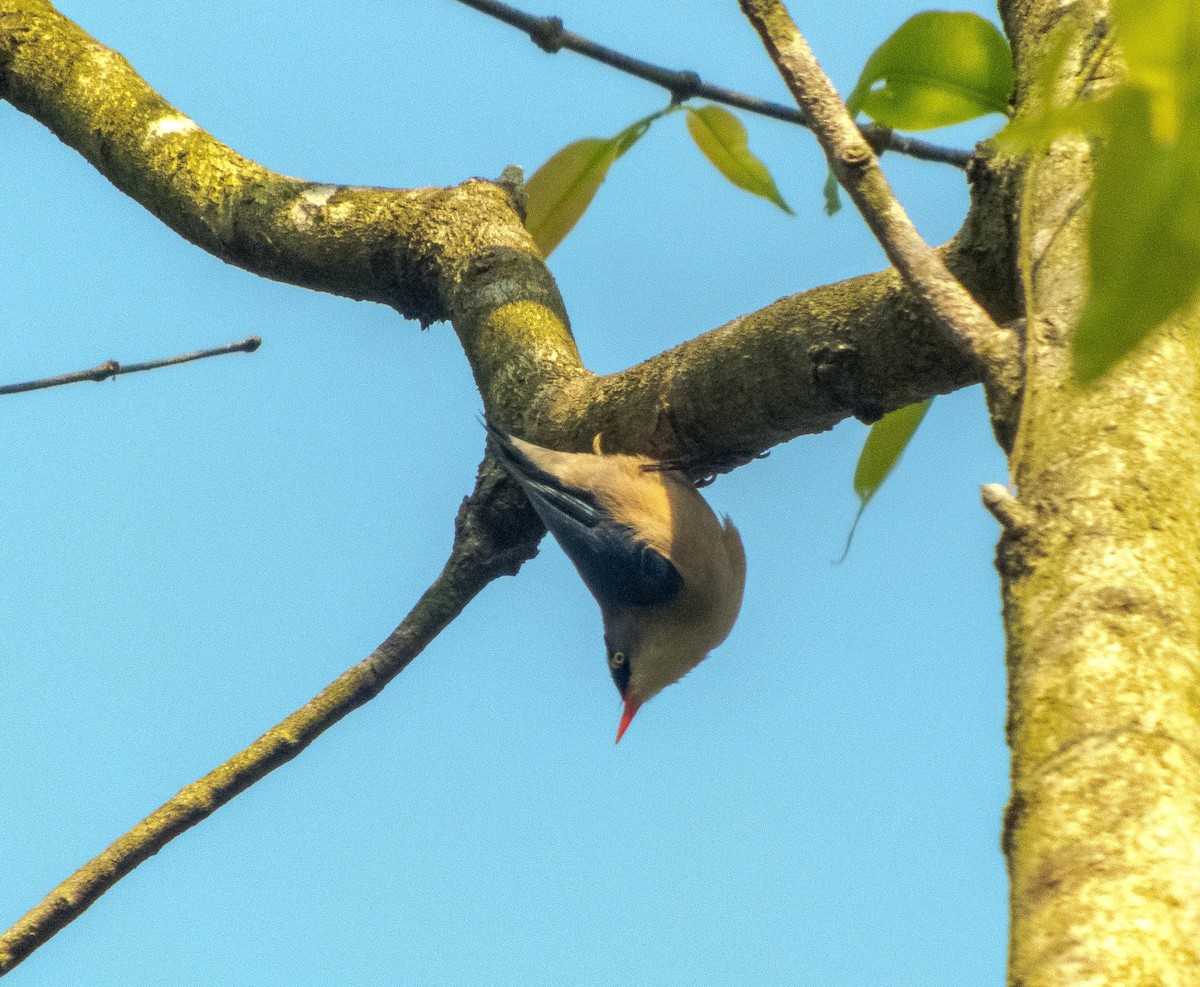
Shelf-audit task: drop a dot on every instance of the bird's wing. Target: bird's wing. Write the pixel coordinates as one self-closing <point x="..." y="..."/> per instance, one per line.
<point x="618" y="567"/>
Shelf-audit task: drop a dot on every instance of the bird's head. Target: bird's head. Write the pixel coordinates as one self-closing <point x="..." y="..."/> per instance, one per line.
<point x="646" y="654"/>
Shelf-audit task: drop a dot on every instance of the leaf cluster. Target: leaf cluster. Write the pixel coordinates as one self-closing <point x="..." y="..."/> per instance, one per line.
<point x="1144" y="233"/>
<point x="559" y="192"/>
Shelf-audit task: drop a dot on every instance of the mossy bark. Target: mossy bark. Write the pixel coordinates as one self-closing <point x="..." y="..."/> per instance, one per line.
<point x="1101" y="574"/>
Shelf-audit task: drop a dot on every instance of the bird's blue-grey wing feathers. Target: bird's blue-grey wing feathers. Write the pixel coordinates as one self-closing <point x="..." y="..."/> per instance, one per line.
<point x="619" y="568"/>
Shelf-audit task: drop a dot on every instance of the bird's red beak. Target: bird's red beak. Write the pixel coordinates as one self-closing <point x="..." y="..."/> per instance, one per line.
<point x="631" y="707"/>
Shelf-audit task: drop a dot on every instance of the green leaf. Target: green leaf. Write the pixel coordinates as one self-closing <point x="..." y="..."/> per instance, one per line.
<point x="1041" y="123"/>
<point x="560" y="191"/>
<point x="1144" y="237"/>
<point x="938" y="68"/>
<point x="885" y="444"/>
<point x="1144" y="232"/>
<point x="833" y="201"/>
<point x="722" y="139"/>
<point x="1039" y="130"/>
<point x="1160" y="40"/>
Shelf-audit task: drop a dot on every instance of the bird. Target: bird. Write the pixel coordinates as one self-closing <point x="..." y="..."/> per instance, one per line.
<point x="669" y="577"/>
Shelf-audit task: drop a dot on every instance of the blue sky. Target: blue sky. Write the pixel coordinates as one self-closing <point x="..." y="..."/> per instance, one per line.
<point x="189" y="555"/>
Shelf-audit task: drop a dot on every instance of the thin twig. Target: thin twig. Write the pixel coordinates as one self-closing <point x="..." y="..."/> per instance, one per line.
<point x="549" y="34"/>
<point x="852" y="160"/>
<point x="110" y="368"/>
<point x="494" y="533"/>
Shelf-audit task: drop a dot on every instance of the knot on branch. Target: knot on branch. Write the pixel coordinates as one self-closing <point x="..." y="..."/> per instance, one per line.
<point x="857" y="155"/>
<point x="496" y="527"/>
<point x="683" y="86"/>
<point x="880" y="138"/>
<point x="512" y="180"/>
<point x="837" y="371"/>
<point x="1004" y="507"/>
<point x="1019" y="542"/>
<point x="547" y="34"/>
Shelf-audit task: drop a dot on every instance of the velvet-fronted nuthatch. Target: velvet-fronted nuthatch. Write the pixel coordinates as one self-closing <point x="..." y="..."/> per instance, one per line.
<point x="667" y="574"/>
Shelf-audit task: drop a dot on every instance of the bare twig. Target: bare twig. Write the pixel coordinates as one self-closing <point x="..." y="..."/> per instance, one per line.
<point x="110" y="368"/>
<point x="494" y="534"/>
<point x="549" y="34"/>
<point x="960" y="317"/>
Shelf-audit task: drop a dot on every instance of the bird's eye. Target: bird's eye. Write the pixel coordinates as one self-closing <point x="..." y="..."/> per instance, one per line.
<point x="616" y="659"/>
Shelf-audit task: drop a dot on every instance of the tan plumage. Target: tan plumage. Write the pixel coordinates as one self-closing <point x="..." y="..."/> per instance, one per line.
<point x="667" y="574"/>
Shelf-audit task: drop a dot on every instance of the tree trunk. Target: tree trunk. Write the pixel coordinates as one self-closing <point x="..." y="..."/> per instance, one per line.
<point x="1101" y="578"/>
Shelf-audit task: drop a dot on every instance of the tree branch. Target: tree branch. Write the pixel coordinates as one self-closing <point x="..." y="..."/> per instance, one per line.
<point x="965" y="323"/>
<point x="402" y="247"/>
<point x="494" y="534"/>
<point x="111" y="368"/>
<point x="462" y="254"/>
<point x="549" y="34"/>
<point x="858" y="348"/>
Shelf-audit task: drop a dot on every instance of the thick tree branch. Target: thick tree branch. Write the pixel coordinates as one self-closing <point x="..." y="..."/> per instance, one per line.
<point x="437" y="253"/>
<point x="405" y="248"/>
<point x="966" y="324"/>
<point x="549" y="34"/>
<point x="462" y="254"/>
<point x="858" y="348"/>
<point x="494" y="534"/>
<point x="111" y="368"/>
